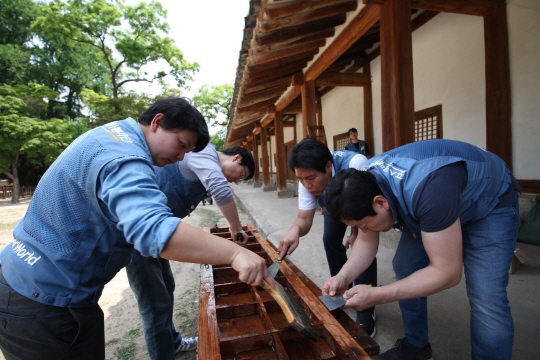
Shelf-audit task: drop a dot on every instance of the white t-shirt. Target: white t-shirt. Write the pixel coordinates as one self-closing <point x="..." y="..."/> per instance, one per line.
<point x="308" y="201"/>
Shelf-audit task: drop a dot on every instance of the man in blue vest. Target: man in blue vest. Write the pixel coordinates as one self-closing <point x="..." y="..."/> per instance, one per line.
<point x="96" y="203"/>
<point x="457" y="207"/>
<point x="356" y="145"/>
<point x="314" y="165"/>
<point x="185" y="184"/>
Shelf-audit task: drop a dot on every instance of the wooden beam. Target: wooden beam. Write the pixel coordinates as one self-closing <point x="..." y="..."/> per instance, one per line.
<point x="498" y="94"/>
<point x="309" y="106"/>
<point x="529" y="186"/>
<point x="397" y="90"/>
<point x="265" y="157"/>
<point x="292" y="41"/>
<point x="282" y="9"/>
<point x="342" y="79"/>
<point x="465" y="7"/>
<point x="257" y="129"/>
<point x="354" y="30"/>
<point x="258" y="106"/>
<point x="305" y="16"/>
<point x="293" y="108"/>
<point x="261" y="96"/>
<point x="275" y="84"/>
<point x="280" y="62"/>
<point x="303" y="29"/>
<point x="368" y="111"/>
<point x="284" y="53"/>
<point x="281" y="156"/>
<point x="256" y="176"/>
<point x="267" y="119"/>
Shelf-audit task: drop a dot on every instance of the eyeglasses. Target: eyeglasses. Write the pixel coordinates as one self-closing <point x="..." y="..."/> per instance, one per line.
<point x="243" y="173"/>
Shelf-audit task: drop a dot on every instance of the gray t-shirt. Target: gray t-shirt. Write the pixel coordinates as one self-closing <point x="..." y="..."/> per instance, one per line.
<point x="204" y="166"/>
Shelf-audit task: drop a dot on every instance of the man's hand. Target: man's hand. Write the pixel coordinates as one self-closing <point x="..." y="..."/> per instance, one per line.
<point x="289" y="241"/>
<point x="350" y="241"/>
<point x="251" y="268"/>
<point x="359" y="297"/>
<point x="245" y="237"/>
<point x="335" y="285"/>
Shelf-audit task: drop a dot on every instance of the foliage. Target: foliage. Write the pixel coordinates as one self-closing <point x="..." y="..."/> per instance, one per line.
<point x="23" y="132"/>
<point x="104" y="109"/>
<point x="214" y="102"/>
<point x="127" y="37"/>
<point x="15" y="33"/>
<point x="218" y="140"/>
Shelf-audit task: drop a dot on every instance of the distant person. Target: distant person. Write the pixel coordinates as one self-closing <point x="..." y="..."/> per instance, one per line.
<point x="96" y="203"/>
<point x="185" y="184"/>
<point x="356" y="145"/>
<point x="457" y="207"/>
<point x="314" y="165"/>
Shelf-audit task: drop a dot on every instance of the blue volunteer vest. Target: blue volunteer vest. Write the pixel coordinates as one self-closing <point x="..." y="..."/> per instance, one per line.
<point x="403" y="169"/>
<point x="183" y="195"/>
<point x="340" y="161"/>
<point x="65" y="249"/>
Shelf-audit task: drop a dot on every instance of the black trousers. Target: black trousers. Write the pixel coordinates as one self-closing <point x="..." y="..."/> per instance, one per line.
<point x="336" y="254"/>
<point x="32" y="330"/>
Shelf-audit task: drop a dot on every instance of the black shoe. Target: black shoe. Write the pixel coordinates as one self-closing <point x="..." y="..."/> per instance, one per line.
<point x="403" y="350"/>
<point x="366" y="322"/>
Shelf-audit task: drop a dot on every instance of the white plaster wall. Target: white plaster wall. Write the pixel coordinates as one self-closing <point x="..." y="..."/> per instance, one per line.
<point x="342" y="109"/>
<point x="523" y="18"/>
<point x="449" y="69"/>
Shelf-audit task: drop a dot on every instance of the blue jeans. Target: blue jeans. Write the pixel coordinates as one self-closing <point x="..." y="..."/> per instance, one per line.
<point x="336" y="254"/>
<point x="488" y="247"/>
<point x="152" y="282"/>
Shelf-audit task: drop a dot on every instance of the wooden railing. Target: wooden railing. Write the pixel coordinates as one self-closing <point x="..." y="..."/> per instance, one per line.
<point x="24" y="191"/>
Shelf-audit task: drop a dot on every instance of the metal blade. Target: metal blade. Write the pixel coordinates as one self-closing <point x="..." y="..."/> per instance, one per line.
<point x="333" y="302"/>
<point x="273" y="269"/>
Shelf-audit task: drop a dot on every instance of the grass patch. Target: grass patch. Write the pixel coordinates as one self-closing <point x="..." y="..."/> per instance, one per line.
<point x="112" y="342"/>
<point x="126" y="346"/>
<point x="132" y="334"/>
<point x="211" y="218"/>
<point x="186" y="313"/>
<point x="126" y="352"/>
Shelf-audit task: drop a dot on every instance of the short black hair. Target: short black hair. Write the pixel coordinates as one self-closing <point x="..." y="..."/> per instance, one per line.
<point x="247" y="158"/>
<point x="349" y="195"/>
<point x="178" y="114"/>
<point x="353" y="130"/>
<point x="310" y="154"/>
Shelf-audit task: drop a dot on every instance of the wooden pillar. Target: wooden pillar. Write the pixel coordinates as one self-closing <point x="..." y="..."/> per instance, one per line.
<point x="256" y="176"/>
<point x="265" y="158"/>
<point x="368" y="111"/>
<point x="309" y="106"/>
<point x="281" y="156"/>
<point x="498" y="101"/>
<point x="397" y="90"/>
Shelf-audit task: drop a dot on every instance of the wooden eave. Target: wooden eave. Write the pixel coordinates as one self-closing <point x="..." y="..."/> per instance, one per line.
<point x="287" y="43"/>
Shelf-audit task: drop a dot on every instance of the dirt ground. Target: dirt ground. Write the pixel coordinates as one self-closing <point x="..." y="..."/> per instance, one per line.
<point x="124" y="338"/>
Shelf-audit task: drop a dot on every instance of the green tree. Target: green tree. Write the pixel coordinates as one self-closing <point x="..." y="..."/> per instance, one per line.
<point x="16" y="17"/>
<point x="23" y="132"/>
<point x="104" y="109"/>
<point x="214" y="102"/>
<point x="127" y="37"/>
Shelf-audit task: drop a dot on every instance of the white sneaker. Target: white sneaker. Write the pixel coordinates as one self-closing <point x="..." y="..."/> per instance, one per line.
<point x="188" y="344"/>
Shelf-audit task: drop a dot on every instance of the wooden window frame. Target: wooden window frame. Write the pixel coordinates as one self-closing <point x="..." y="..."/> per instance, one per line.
<point x="339" y="137"/>
<point x="427" y="115"/>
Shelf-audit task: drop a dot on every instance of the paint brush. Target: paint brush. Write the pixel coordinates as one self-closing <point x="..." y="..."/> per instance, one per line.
<point x="295" y="315"/>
